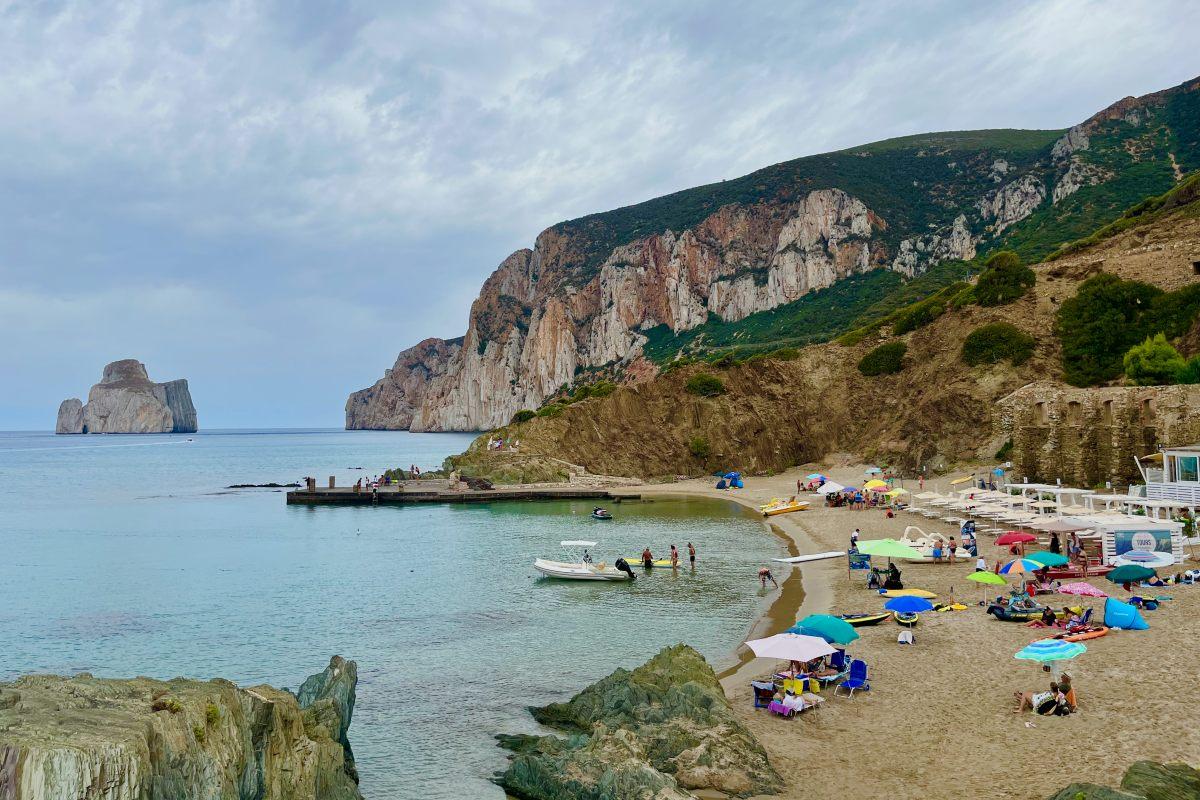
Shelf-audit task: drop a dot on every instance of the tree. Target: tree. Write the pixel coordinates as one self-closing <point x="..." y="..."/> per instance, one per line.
<point x="1098" y="326"/>
<point x="1190" y="372"/>
<point x="1153" y="362"/>
<point x="524" y="415"/>
<point x="887" y="359"/>
<point x="705" y="385"/>
<point x="992" y="343"/>
<point x="1004" y="280"/>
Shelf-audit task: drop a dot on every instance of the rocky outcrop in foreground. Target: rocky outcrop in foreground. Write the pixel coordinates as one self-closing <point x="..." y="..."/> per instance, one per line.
<point x="127" y="401"/>
<point x="144" y="739"/>
<point x="1144" y="780"/>
<point x="658" y="732"/>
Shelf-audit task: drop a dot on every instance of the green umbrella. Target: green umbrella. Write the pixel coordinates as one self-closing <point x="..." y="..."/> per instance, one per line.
<point x="1046" y="558"/>
<point x="830" y="628"/>
<point x="888" y="548"/>
<point x="988" y="578"/>
<point x="1130" y="573"/>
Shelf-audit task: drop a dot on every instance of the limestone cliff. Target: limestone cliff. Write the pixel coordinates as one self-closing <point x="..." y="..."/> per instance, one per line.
<point x="127" y="401"/>
<point x="143" y="739"/>
<point x="589" y="294"/>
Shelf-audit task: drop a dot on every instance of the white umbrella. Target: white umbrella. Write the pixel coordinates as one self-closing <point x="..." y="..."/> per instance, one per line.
<point x="791" y="647"/>
<point x="830" y="487"/>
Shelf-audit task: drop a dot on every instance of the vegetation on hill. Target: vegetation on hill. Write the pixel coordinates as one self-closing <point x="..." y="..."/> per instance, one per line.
<point x="1154" y="362"/>
<point x="887" y="359"/>
<point x="1004" y="280"/>
<point x="997" y="342"/>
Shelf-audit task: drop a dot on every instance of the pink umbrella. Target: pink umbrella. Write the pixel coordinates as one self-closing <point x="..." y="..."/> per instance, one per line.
<point x="1081" y="588"/>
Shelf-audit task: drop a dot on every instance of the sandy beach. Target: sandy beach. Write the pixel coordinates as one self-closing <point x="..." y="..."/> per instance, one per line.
<point x="938" y="722"/>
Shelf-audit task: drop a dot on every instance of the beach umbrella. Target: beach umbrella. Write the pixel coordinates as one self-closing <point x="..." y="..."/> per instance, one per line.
<point x="1020" y="566"/>
<point x="908" y="605"/>
<point x="1061" y="526"/>
<point x="791" y="647"/>
<point x="928" y="496"/>
<point x="816" y="476"/>
<point x="1015" y="537"/>
<point x="888" y="548"/>
<point x="1130" y="573"/>
<point x="1048" y="559"/>
<point x="898" y="491"/>
<point x="1044" y="504"/>
<point x="828" y="627"/>
<point x="986" y="579"/>
<point x="849" y="488"/>
<point x="875" y="484"/>
<point x="1082" y="589"/>
<point x="872" y="471"/>
<point x="830" y="487"/>
<point x="1047" y="650"/>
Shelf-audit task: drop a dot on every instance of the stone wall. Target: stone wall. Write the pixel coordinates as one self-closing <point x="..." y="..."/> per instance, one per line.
<point x="1088" y="437"/>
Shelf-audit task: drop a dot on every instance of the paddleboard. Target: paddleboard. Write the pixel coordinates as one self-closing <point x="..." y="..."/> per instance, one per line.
<point x="909" y="593"/>
<point x="811" y="557"/>
<point x="659" y="562"/>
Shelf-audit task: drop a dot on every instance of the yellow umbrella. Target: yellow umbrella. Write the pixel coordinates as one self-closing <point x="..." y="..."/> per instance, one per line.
<point x="894" y="492"/>
<point x="963" y="479"/>
<point x="876" y="484"/>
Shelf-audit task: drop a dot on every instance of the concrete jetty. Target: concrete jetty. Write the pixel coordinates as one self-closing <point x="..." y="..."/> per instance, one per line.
<point x="439" y="491"/>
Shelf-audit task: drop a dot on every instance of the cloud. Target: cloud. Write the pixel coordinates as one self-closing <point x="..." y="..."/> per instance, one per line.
<point x="384" y="159"/>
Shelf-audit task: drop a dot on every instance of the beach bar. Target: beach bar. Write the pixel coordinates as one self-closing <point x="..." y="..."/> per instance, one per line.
<point x="1178" y="482"/>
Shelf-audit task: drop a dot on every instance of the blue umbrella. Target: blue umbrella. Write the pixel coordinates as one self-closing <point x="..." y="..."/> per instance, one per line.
<point x="816" y="476"/>
<point x="908" y="605"/>
<point x="849" y="488"/>
<point x="1045" y="650"/>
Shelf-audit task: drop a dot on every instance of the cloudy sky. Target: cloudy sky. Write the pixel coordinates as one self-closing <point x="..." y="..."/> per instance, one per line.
<point x="273" y="200"/>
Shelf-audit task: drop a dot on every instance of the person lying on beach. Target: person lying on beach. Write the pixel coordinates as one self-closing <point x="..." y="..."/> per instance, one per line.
<point x="1042" y="703"/>
<point x="1049" y="619"/>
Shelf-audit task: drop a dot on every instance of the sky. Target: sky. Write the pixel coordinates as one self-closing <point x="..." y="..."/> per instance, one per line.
<point x="273" y="200"/>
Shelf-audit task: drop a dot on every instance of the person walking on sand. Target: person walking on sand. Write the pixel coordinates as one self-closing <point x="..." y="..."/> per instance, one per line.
<point x="854" y="539"/>
<point x="692" y="553"/>
<point x="950" y="550"/>
<point x="921" y="482"/>
<point x="765" y="575"/>
<point x="674" y="557"/>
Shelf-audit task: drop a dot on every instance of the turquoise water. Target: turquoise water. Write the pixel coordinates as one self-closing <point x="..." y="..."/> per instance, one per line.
<point x="126" y="556"/>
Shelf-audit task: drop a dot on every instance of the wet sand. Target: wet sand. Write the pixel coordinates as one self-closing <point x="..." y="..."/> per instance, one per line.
<point x="938" y="722"/>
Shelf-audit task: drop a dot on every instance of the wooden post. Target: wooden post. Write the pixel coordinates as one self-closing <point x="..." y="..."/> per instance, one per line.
<point x="332" y="482"/>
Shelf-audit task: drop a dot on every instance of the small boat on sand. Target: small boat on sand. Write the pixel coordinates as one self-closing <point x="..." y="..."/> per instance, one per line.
<point x="907" y="620"/>
<point x="778" y="506"/>
<point x="860" y="620"/>
<point x="581" y="567"/>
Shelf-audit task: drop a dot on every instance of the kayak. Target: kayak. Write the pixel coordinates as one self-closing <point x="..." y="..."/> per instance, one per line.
<point x="658" y="562"/>
<point x="783" y="508"/>
<point x="949" y="607"/>
<point x="909" y="593"/>
<point x="859" y="620"/>
<point x="1095" y="633"/>
<point x="907" y="620"/>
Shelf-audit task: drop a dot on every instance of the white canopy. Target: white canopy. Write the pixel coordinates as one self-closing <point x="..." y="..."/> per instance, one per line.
<point x="830" y="487"/>
<point x="577" y="544"/>
<point x="791" y="646"/>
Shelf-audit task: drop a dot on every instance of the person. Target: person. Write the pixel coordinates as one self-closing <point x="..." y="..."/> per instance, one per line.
<point x="921" y="482"/>
<point x="647" y="558"/>
<point x="587" y="557"/>
<point x="1055" y="545"/>
<point x="692" y="553"/>
<point x="1043" y="703"/>
<point x="890" y="514"/>
<point x="765" y="575"/>
<point x="674" y="557"/>
<point x="893" y="578"/>
<point x="1076" y="547"/>
<point x="1068" y="692"/>
<point x="1048" y="617"/>
<point x="937" y="551"/>
<point x="981" y="564"/>
<point x="950" y="550"/>
<point x="1073" y="620"/>
<point x="799" y="485"/>
<point x="854" y="539"/>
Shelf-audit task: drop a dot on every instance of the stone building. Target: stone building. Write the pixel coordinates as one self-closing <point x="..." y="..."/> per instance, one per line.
<point x="1087" y="437"/>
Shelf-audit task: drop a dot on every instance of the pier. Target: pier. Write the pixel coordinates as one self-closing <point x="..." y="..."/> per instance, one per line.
<point x="439" y="491"/>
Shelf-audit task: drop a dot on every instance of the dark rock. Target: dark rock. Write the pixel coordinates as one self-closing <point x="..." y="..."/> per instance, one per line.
<point x="1144" y="780"/>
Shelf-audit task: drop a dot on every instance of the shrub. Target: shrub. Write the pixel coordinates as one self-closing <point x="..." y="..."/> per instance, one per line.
<point x="199" y="732"/>
<point x="603" y="388"/>
<point x="524" y="415"/>
<point x="1190" y="373"/>
<point x="919" y="315"/>
<point x="551" y="410"/>
<point x="887" y="359"/>
<point x="166" y="704"/>
<point x="1153" y="362"/>
<point x="1004" y="280"/>
<point x="212" y="714"/>
<point x="785" y="354"/>
<point x="1005" y="450"/>
<point x="705" y="385"/>
<point x="698" y="446"/>
<point x="996" y="342"/>
<point x="1098" y="326"/>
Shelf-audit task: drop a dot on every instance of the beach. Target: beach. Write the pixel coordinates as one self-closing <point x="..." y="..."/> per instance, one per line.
<point x="938" y="720"/>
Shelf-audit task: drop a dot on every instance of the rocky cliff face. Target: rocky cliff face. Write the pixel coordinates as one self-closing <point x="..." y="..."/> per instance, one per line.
<point x="661" y="731"/>
<point x="127" y="401"/>
<point x="582" y="300"/>
<point x="143" y="739"/>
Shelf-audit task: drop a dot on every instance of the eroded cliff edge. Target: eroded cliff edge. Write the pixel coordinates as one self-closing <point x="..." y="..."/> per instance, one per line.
<point x="144" y="739"/>
<point x="127" y="401"/>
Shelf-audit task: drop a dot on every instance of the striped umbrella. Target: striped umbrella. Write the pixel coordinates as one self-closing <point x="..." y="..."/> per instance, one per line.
<point x="1046" y="650"/>
<point x="1019" y="566"/>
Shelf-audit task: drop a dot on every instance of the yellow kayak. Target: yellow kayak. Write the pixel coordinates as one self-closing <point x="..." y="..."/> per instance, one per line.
<point x="909" y="593"/>
<point x="658" y="562"/>
<point x="784" y="508"/>
<point x="949" y="607"/>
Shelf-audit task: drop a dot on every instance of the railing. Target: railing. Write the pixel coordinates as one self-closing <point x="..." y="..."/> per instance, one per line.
<point x="1187" y="494"/>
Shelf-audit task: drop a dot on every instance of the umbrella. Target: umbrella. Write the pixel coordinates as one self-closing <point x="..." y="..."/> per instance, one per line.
<point x="928" y="496"/>
<point x="816" y="476"/>
<point x="1019" y="566"/>
<point x="1130" y="573"/>
<point x="791" y="646"/>
<point x="1046" y="558"/>
<point x="908" y="605"/>
<point x="1015" y="537"/>
<point x="1061" y="526"/>
<point x="1044" y="650"/>
<point x="830" y="487"/>
<point x="830" y="628"/>
<point x="898" y="491"/>
<point x="987" y="577"/>
<point x="872" y="471"/>
<point x="849" y="488"/>
<point x="1044" y="504"/>
<point x="1082" y="589"/>
<point x="888" y="548"/>
<point x="871" y="484"/>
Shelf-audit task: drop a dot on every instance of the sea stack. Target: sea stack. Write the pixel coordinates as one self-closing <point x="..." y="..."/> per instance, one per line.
<point x="127" y="401"/>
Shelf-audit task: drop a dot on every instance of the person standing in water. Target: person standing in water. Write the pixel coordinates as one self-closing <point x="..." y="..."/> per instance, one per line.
<point x="764" y="575"/>
<point x="647" y="558"/>
<point x="674" y="557"/>
<point x="692" y="553"/>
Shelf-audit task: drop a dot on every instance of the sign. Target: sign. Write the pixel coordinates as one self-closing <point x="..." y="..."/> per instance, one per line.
<point x="1146" y="541"/>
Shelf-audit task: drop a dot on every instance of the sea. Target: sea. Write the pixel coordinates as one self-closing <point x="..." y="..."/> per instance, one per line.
<point x="128" y="555"/>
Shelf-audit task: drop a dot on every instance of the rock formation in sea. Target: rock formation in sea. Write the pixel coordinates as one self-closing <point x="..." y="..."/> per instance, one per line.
<point x="144" y="739"/>
<point x="1144" y="780"/>
<point x="593" y="292"/>
<point x="127" y="401"/>
<point x="659" y="731"/>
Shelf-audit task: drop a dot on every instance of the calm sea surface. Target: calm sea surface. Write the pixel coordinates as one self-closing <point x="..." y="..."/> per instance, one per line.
<point x="125" y="555"/>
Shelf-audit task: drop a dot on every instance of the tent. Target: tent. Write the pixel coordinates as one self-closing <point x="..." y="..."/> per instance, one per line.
<point x="1118" y="614"/>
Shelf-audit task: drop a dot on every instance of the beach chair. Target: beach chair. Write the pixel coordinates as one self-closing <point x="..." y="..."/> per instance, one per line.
<point x="857" y="680"/>
<point x="763" y="693"/>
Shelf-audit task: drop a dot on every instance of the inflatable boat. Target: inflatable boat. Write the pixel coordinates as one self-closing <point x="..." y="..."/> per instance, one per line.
<point x="861" y="620"/>
<point x="1009" y="614"/>
<point x="907" y="620"/>
<point x="1083" y="636"/>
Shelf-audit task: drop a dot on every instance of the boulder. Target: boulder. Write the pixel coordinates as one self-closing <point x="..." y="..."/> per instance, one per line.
<point x="1144" y="780"/>
<point x="329" y="697"/>
<point x="127" y="401"/>
<point x="144" y="739"/>
<point x="658" y="731"/>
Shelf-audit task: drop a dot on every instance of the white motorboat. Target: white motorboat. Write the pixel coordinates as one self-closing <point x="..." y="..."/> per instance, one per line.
<point x="580" y="567"/>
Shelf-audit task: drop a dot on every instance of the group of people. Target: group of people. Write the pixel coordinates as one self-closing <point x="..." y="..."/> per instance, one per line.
<point x="648" y="557"/>
<point x="498" y="443"/>
<point x="1058" y="702"/>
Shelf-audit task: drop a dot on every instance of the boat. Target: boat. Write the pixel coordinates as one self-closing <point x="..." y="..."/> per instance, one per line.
<point x="1083" y="636"/>
<point x="1024" y="614"/>
<point x="1075" y="572"/>
<point x="924" y="543"/>
<point x="907" y="620"/>
<point x="777" y="506"/>
<point x="601" y="513"/>
<point x="580" y="568"/>
<point x="861" y="620"/>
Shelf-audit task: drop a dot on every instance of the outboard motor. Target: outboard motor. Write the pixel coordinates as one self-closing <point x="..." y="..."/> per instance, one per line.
<point x="623" y="565"/>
